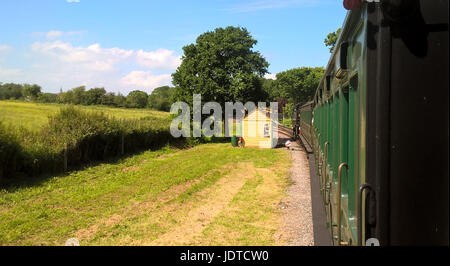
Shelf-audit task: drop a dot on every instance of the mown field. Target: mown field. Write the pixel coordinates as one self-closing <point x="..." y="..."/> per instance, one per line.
<point x="212" y="194"/>
<point x="34" y="115"/>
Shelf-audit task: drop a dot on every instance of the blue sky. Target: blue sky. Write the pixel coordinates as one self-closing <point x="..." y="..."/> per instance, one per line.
<point x="136" y="44"/>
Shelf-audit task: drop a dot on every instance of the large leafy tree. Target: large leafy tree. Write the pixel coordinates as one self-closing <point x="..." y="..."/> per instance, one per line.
<point x="11" y="91"/>
<point x="47" y="97"/>
<point x="298" y="85"/>
<point x="94" y="96"/>
<point x="331" y="39"/>
<point x="137" y="99"/>
<point x="108" y="99"/>
<point x="31" y="92"/>
<point x="221" y="66"/>
<point x="120" y="100"/>
<point x="161" y="98"/>
<point x="271" y="90"/>
<point x="78" y="95"/>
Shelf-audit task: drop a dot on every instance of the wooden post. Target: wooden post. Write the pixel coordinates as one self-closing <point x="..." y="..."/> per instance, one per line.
<point x="65" y="157"/>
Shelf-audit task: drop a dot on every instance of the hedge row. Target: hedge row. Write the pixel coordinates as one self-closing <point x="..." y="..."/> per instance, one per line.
<point x="81" y="136"/>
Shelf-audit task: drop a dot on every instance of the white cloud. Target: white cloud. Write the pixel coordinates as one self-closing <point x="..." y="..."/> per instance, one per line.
<point x="145" y="79"/>
<point x="9" y="75"/>
<point x="97" y="58"/>
<point x="270" y="76"/>
<point x="161" y="58"/>
<point x="73" y="1"/>
<point x="92" y="57"/>
<point x="56" y="64"/>
<point x="60" y="64"/>
<point x="4" y="48"/>
<point x="8" y="72"/>
<point x="54" y="34"/>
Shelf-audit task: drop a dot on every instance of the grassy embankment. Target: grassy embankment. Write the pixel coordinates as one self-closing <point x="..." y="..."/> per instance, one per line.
<point x="40" y="138"/>
<point x="34" y="115"/>
<point x="209" y="195"/>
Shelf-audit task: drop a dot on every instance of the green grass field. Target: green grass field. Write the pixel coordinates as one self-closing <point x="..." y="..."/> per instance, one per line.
<point x="212" y="194"/>
<point x="34" y="115"/>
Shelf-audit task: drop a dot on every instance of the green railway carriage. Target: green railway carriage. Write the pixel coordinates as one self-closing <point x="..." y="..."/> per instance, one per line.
<point x="379" y="126"/>
<point x="302" y="121"/>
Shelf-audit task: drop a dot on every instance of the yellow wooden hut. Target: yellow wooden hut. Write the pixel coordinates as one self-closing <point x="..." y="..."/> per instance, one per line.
<point x="259" y="130"/>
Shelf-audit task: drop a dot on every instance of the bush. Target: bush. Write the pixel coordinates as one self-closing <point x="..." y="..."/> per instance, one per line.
<point x="47" y="98"/>
<point x="87" y="136"/>
<point x="10" y="151"/>
<point x="84" y="137"/>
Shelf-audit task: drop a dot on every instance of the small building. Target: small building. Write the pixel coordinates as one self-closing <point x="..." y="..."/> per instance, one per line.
<point x="259" y="130"/>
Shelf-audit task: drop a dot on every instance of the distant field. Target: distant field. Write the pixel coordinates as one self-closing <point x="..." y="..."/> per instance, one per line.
<point x="200" y="196"/>
<point x="34" y="115"/>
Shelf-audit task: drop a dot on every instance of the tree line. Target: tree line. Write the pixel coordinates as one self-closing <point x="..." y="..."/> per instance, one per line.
<point x="12" y="91"/>
<point x="294" y="85"/>
<point x="221" y="66"/>
<point x="160" y="99"/>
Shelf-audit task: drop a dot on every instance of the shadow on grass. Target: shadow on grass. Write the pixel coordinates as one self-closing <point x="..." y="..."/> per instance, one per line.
<point x="22" y="180"/>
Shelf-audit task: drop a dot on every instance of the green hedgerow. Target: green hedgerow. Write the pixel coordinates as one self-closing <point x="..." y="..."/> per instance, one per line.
<point x="87" y="136"/>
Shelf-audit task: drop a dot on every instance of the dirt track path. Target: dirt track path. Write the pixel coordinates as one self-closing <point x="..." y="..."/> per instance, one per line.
<point x="199" y="217"/>
<point x="297" y="224"/>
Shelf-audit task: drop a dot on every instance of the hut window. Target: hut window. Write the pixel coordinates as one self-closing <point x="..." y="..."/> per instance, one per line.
<point x="267" y="130"/>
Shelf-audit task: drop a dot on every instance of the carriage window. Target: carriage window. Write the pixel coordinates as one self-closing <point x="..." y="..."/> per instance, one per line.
<point x="328" y="82"/>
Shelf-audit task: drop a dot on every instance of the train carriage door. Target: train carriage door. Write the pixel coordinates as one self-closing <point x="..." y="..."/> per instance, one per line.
<point x="343" y="155"/>
<point x="353" y="151"/>
<point x="337" y="133"/>
<point x="334" y="157"/>
<point x="330" y="137"/>
<point x="329" y="130"/>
